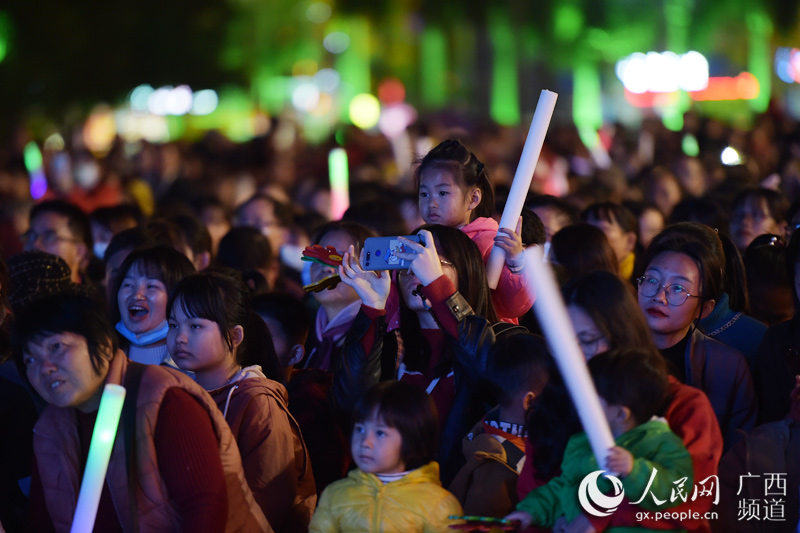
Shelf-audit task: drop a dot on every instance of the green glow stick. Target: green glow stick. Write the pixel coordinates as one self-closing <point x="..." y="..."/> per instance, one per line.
<point x="339" y="175"/>
<point x="32" y="157"/>
<point x="105" y="431"/>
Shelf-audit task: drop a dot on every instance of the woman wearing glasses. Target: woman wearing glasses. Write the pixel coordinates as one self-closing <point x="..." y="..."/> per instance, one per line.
<point x="605" y="315"/>
<point x="680" y="285"/>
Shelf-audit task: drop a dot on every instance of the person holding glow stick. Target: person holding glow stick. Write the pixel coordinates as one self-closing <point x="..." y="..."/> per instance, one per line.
<point x="604" y="315"/>
<point x="174" y="459"/>
<point x="631" y="385"/>
<point x="455" y="190"/>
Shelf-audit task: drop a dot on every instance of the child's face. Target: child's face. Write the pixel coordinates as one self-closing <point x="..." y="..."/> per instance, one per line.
<point x="283" y="348"/>
<point x="376" y="447"/>
<point x="442" y="200"/>
<point x="196" y="344"/>
<point x="142" y="301"/>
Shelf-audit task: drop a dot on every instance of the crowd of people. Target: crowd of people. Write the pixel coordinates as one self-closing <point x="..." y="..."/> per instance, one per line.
<point x="177" y="271"/>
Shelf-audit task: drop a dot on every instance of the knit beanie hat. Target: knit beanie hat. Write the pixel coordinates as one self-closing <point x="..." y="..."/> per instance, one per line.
<point x="35" y="274"/>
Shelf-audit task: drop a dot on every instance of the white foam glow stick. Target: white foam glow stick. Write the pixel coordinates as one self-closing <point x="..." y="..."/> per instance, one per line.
<point x="522" y="179"/>
<point x="557" y="328"/>
<point x="94" y="476"/>
<point x="339" y="176"/>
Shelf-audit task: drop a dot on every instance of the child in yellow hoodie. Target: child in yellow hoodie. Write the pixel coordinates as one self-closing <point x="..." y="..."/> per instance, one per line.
<point x="396" y="486"/>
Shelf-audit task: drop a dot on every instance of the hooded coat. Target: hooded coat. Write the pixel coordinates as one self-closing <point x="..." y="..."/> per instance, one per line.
<point x="362" y="502"/>
<point x="274" y="455"/>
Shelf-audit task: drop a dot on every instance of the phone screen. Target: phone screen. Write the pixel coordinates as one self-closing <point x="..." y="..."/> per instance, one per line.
<point x="380" y="253"/>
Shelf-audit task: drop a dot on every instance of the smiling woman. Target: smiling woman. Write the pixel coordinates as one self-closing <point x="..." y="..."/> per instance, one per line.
<point x="142" y="287"/>
<point x="69" y="352"/>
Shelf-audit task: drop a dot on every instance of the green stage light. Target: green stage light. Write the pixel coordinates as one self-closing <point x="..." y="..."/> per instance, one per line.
<point x="760" y="57"/>
<point x="433" y="67"/>
<point x="504" y="105"/>
<point x="567" y="22"/>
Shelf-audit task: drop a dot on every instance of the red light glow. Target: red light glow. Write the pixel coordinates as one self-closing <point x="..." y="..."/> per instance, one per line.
<point x="743" y="87"/>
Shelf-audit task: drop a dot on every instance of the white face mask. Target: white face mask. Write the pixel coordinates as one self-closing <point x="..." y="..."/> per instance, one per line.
<point x="546" y="255"/>
<point x="100" y="249"/>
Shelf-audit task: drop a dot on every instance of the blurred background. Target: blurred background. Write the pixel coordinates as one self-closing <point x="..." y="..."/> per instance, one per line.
<point x="239" y="95"/>
<point x="168" y="70"/>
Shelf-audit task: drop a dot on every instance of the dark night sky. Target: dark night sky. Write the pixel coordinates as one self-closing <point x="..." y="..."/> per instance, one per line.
<point x="62" y="53"/>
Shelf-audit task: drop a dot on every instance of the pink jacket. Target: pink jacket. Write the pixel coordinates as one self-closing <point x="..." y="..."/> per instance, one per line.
<point x="510" y="298"/>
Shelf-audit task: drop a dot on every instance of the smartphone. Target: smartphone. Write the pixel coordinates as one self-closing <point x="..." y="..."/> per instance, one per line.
<point x="380" y="252"/>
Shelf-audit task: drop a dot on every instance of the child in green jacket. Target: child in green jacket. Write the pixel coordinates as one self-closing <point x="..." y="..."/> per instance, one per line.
<point x="651" y="461"/>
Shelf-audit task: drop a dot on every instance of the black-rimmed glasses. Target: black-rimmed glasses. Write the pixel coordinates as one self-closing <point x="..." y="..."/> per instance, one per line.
<point x="676" y="294"/>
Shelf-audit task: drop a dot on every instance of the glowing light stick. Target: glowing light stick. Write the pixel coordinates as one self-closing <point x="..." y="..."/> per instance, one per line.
<point x="105" y="431"/>
<point x="522" y="178"/>
<point x="552" y="315"/>
<point x="340" y="194"/>
<point x="33" y="162"/>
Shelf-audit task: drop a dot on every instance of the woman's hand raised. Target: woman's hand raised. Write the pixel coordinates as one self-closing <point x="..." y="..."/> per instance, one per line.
<point x="424" y="261"/>
<point x="371" y="286"/>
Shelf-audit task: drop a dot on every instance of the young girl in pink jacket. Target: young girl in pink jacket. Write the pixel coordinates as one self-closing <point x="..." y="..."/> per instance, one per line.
<point x="455" y="190"/>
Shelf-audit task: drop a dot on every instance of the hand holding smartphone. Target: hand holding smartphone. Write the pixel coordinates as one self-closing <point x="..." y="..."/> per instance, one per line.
<point x="380" y="253"/>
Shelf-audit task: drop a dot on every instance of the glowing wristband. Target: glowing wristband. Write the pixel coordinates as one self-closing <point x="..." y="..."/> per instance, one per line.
<point x="105" y="431"/>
